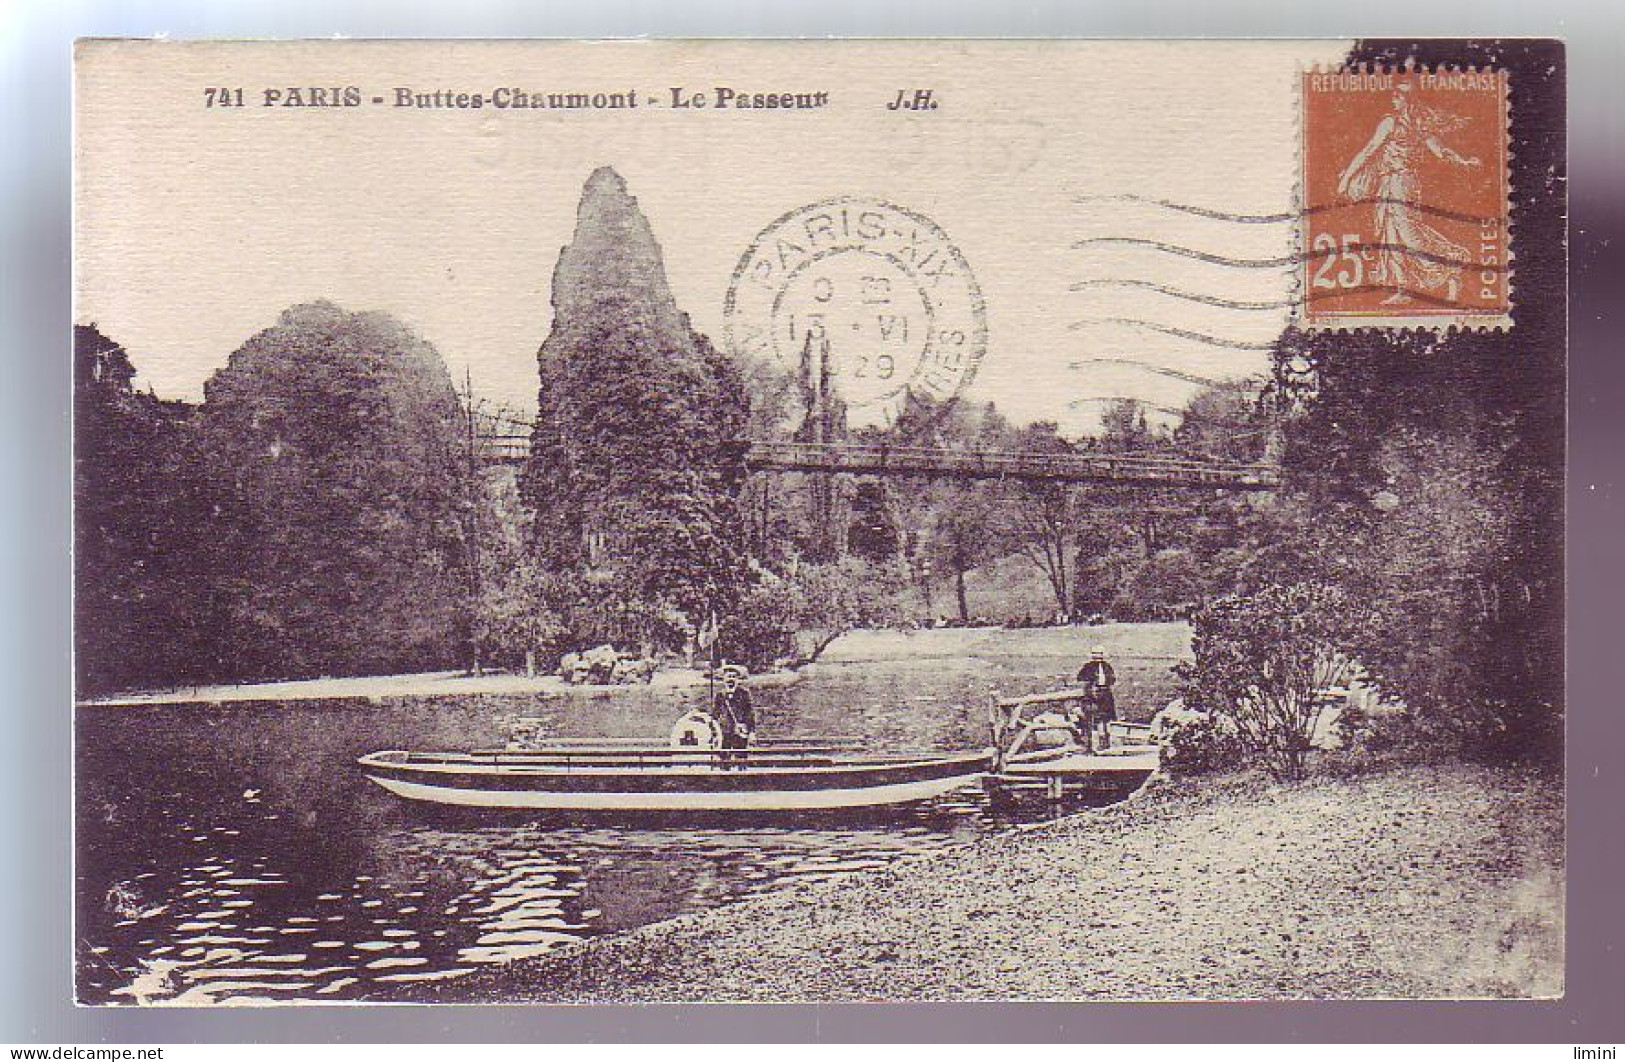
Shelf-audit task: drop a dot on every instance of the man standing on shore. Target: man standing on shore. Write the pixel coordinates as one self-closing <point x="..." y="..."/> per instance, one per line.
<point x="1098" y="677"/>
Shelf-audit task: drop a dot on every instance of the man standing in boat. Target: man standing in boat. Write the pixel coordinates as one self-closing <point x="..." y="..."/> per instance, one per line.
<point x="1097" y="677"/>
<point x="732" y="708"/>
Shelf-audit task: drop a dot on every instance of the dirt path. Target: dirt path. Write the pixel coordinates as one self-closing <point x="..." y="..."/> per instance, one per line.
<point x="1413" y="882"/>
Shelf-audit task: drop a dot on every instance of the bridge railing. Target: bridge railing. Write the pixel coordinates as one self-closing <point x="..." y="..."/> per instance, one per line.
<point x="869" y="457"/>
<point x="503" y="449"/>
<point x="787" y="455"/>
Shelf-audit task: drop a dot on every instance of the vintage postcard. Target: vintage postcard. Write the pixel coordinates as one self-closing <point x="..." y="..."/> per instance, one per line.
<point x="636" y="521"/>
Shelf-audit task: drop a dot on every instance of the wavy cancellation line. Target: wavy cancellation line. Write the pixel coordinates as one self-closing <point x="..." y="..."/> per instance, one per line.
<point x="1171" y="330"/>
<point x="1318" y="295"/>
<point x="1238" y="384"/>
<point x="1239" y="428"/>
<point x="1188" y="296"/>
<point x="1281" y="218"/>
<point x="1284" y="260"/>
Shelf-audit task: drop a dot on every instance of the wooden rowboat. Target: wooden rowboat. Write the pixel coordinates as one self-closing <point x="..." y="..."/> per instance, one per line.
<point x="619" y="777"/>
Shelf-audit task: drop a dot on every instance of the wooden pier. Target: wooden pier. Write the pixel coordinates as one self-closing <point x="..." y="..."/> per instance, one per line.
<point x="1074" y="774"/>
<point x="1040" y="756"/>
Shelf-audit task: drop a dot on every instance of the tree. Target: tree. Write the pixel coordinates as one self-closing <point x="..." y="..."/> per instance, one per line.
<point x="966" y="535"/>
<point x="965" y="521"/>
<point x="1262" y="660"/>
<point x="1123" y="427"/>
<point x="635" y="468"/>
<point x="513" y="621"/>
<point x="1166" y="585"/>
<point x="1447" y="535"/>
<point x="333" y="456"/>
<point x="1224" y="422"/>
<point x="139" y="591"/>
<point x="826" y="601"/>
<point x="768" y="505"/>
<point x="1045" y="517"/>
<point x="1415" y="483"/>
<point x="1106" y="555"/>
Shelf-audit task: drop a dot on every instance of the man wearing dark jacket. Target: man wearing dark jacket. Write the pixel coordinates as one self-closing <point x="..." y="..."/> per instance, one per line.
<point x="1097" y="677"/>
<point x="732" y="708"/>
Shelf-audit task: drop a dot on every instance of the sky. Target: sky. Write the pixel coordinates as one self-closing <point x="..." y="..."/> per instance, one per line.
<point x="196" y="226"/>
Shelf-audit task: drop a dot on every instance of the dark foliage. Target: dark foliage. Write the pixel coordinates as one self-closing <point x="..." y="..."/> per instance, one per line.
<point x="1429" y="467"/>
<point x="332" y="454"/>
<point x="635" y="470"/>
<point x="138" y="520"/>
<point x="1199" y="743"/>
<point x="1263" y="663"/>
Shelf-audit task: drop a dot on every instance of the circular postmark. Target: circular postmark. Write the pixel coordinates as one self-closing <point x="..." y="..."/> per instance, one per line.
<point x="874" y="295"/>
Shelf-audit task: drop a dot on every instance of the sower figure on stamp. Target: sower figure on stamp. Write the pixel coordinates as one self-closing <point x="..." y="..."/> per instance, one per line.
<point x="1412" y="256"/>
<point x="733" y="710"/>
<point x="1099" y="706"/>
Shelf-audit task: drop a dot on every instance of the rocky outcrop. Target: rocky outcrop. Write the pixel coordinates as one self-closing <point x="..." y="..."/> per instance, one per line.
<point x="635" y="468"/>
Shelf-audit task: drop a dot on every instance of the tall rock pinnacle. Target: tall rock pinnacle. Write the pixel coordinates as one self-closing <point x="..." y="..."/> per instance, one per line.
<point x="613" y="263"/>
<point x="636" y="412"/>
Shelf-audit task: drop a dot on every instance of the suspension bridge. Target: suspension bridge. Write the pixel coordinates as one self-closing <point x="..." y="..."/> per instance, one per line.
<point x="506" y="446"/>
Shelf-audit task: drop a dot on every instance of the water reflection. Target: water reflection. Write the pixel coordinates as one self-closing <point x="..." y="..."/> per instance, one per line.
<point x="233" y="854"/>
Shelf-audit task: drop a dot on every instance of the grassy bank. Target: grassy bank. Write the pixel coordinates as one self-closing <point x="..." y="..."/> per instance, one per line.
<point x="1417" y="881"/>
<point x="1147" y="645"/>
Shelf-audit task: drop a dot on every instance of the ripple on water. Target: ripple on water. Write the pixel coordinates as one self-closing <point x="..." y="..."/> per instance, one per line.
<point x="213" y="938"/>
<point x="428" y="975"/>
<point x="396" y="960"/>
<point x="449" y="899"/>
<point x="338" y="986"/>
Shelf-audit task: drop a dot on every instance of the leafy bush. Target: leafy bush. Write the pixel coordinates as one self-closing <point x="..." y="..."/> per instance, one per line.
<point x="513" y="620"/>
<point x="1380" y="731"/>
<point x="762" y="630"/>
<point x="1166" y="585"/>
<point x="1196" y="742"/>
<point x="141" y="597"/>
<point x="1261" y="661"/>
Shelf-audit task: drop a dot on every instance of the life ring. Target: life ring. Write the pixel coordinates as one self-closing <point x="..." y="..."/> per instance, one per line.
<point x="696" y="730"/>
<point x="1050" y="730"/>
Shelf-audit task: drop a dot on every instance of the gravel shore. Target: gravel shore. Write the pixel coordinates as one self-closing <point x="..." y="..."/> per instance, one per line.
<point x="1409" y="882"/>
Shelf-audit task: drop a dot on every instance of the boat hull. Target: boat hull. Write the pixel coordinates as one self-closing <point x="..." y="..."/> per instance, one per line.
<point x="687" y="788"/>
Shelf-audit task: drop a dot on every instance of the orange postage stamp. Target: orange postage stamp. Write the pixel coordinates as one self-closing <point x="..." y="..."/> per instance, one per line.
<point x="1405" y="199"/>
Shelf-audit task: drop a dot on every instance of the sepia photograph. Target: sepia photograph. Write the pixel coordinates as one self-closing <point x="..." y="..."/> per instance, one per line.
<point x="811" y="521"/>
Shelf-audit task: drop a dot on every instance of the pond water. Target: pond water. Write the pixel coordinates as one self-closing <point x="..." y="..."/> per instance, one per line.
<point x="235" y="853"/>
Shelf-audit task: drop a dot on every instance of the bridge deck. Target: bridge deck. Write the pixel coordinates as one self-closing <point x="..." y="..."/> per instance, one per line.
<point x="1000" y="464"/>
<point x="869" y="459"/>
